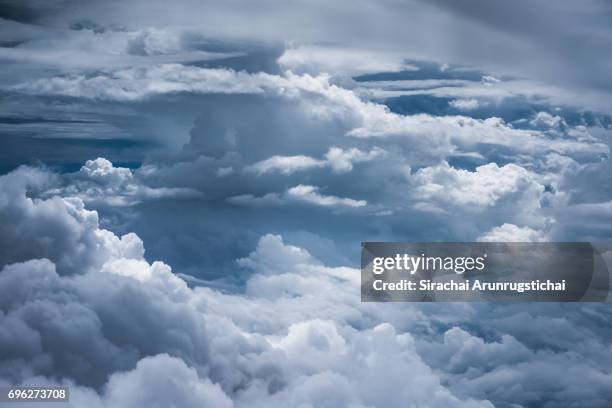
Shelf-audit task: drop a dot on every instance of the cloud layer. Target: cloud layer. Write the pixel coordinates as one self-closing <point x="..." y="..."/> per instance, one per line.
<point x="252" y="169"/>
<point x="120" y="329"/>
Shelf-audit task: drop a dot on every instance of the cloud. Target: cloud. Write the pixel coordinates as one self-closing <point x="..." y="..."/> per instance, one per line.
<point x="120" y="332"/>
<point x="502" y="361"/>
<point x="321" y="100"/>
<point x="323" y="134"/>
<point x="298" y="194"/>
<point x="153" y="42"/>
<point x="318" y="133"/>
<point x="469" y="132"/>
<point x="340" y="160"/>
<point x="135" y="325"/>
<point x="358" y="43"/>
<point x="131" y="84"/>
<point x="156" y="381"/>
<point x="481" y="188"/>
<point x="286" y="164"/>
<point x="461" y="350"/>
<point x="548" y="121"/>
<point x="273" y="256"/>
<point x="60" y="229"/>
<point x="104" y="318"/>
<point x="505" y="33"/>
<point x="87" y="46"/>
<point x="103" y="170"/>
<point x="512" y="233"/>
<point x="311" y="195"/>
<point x="481" y="200"/>
<point x="101" y="184"/>
<point x="225" y="171"/>
<point x="339" y="60"/>
<point x="465" y="104"/>
<point x="268" y="199"/>
<point x="81" y="304"/>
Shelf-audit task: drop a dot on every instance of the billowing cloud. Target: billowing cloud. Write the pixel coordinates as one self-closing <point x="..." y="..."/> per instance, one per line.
<point x="346" y="152"/>
<point x="480" y="188"/>
<point x="60" y="229"/>
<point x="120" y="331"/>
<point x="160" y="380"/>
<point x="100" y="183"/>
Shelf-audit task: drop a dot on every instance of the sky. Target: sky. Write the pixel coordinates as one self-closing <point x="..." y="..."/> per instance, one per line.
<point x="185" y="187"/>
